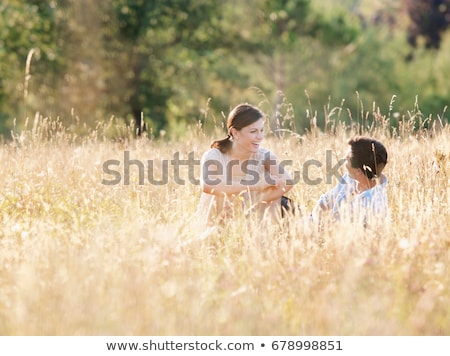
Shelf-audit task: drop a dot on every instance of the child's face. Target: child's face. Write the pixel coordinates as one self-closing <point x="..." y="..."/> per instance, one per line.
<point x="352" y="172"/>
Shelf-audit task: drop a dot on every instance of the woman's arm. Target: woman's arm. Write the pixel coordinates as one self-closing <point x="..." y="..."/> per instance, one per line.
<point x="214" y="179"/>
<point x="277" y="174"/>
<point x="275" y="193"/>
<point x="218" y="185"/>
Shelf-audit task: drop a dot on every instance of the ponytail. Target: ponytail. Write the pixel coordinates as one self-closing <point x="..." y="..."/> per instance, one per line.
<point x="223" y="145"/>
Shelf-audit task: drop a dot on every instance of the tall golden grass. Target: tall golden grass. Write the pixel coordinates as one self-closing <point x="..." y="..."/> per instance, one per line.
<point x="78" y="257"/>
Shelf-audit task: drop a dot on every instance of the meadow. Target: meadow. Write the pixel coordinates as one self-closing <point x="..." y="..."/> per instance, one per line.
<point x="81" y="257"/>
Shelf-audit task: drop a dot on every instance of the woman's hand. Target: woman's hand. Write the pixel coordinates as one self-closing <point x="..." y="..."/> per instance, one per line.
<point x="275" y="190"/>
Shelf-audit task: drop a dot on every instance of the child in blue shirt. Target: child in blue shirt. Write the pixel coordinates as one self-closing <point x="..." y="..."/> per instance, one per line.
<point x="361" y="194"/>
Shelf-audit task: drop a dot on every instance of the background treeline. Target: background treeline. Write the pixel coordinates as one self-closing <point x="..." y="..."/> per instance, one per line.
<point x="164" y="64"/>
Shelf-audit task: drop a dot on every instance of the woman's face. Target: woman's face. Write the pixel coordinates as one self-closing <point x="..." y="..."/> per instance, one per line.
<point x="249" y="137"/>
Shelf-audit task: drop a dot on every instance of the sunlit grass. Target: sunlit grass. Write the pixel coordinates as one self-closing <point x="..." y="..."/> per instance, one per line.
<point x="78" y="257"/>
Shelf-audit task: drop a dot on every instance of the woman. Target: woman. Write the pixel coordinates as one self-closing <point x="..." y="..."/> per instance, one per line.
<point x="238" y="175"/>
<point x="361" y="194"/>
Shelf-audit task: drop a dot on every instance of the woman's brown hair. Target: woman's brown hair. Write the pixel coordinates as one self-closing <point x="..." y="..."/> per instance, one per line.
<point x="241" y="116"/>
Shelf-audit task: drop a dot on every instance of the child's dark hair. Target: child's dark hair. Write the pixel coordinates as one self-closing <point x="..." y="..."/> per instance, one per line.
<point x="368" y="154"/>
<point x="241" y="116"/>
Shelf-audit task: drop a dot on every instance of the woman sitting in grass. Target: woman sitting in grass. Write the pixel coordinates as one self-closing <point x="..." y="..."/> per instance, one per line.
<point x="361" y="194"/>
<point x="238" y="175"/>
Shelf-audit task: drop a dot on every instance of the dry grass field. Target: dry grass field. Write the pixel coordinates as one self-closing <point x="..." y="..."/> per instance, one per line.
<point x="78" y="257"/>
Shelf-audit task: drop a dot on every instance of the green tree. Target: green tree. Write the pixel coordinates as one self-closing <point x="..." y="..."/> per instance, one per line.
<point x="27" y="46"/>
<point x="169" y="48"/>
<point x="154" y="45"/>
<point x="297" y="34"/>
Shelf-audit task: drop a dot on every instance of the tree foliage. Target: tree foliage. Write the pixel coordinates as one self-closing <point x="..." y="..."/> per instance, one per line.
<point x="158" y="63"/>
<point x="28" y="31"/>
<point x="429" y="19"/>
